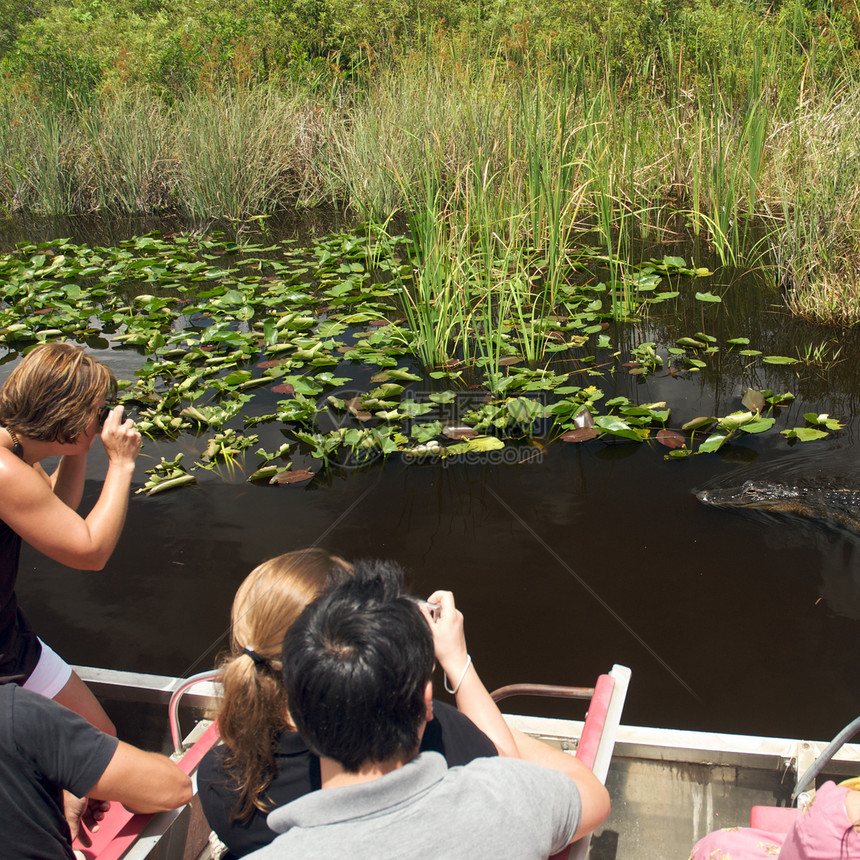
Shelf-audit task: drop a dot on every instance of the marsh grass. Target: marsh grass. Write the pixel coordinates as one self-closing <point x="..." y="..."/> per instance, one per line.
<point x="500" y="162"/>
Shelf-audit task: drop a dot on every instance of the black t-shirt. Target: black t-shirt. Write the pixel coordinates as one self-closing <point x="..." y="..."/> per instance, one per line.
<point x="298" y="772"/>
<point x="44" y="748"/>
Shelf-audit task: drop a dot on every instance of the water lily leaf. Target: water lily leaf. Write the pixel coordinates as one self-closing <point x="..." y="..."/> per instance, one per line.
<point x="583" y="419"/>
<point x="671" y="439"/>
<point x="284" y="388"/>
<point x="823" y="420"/>
<point x="485" y="443"/>
<point x="266" y="472"/>
<point x="713" y="443"/>
<point x="664" y="296"/>
<point x="674" y="262"/>
<point x="413" y="409"/>
<point x="707" y="297"/>
<point x="616" y="427"/>
<point x="507" y="360"/>
<point x="738" y="341"/>
<point x="442" y="397"/>
<point x="691" y="342"/>
<point x="389" y="389"/>
<point x="804" y="434"/>
<point x="753" y="399"/>
<point x="403" y="375"/>
<point x="581" y="434"/>
<point x="779" y="359"/>
<point x="172" y="484"/>
<point x="758" y="426"/>
<point x="459" y="432"/>
<point x="355" y="406"/>
<point x="288" y="476"/>
<point x="679" y="454"/>
<point x="735" y="420"/>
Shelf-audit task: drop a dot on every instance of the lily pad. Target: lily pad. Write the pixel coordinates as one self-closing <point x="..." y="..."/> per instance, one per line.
<point x="671" y="439"/>
<point x="292" y="477"/>
<point x="753" y="400"/>
<point x="581" y="434"/>
<point x="460" y="432"/>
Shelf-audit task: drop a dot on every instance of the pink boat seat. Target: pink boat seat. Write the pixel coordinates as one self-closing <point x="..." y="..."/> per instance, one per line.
<point x="119" y="828"/>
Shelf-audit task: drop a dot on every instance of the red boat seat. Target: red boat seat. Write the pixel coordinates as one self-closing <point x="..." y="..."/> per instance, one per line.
<point x="599" y="729"/>
<point x="119" y="828"/>
<point x="774" y="819"/>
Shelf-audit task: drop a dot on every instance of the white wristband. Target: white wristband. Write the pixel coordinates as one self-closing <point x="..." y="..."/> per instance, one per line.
<point x="466" y="669"/>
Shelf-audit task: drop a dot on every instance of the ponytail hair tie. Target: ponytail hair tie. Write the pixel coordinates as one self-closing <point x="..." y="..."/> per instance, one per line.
<point x="258" y="660"/>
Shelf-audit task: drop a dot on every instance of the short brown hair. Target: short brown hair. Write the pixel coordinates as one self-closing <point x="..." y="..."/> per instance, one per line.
<point x="52" y="394"/>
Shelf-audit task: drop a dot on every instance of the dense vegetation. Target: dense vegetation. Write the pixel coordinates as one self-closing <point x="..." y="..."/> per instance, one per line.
<point x="501" y="128"/>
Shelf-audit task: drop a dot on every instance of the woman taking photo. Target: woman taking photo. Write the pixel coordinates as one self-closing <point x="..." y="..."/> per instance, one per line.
<point x="55" y="404"/>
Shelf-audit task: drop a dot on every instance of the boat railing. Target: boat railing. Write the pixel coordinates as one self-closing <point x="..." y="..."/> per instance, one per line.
<point x="212" y="676"/>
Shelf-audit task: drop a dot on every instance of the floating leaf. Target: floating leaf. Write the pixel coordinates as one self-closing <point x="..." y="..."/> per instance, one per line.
<point x="804" y="434"/>
<point x="284" y="388"/>
<point x="671" y="439"/>
<point x="679" y="454"/>
<point x="171" y="484"/>
<point x="691" y="342"/>
<point x="713" y="443"/>
<point x="460" y="432"/>
<point x="356" y="407"/>
<point x="758" y="426"/>
<point x="583" y="419"/>
<point x="616" y="427"/>
<point x="753" y="399"/>
<point x="485" y="443"/>
<point x="581" y="434"/>
<point x="779" y="359"/>
<point x="707" y="297"/>
<point x="738" y="341"/>
<point x="823" y="420"/>
<point x="292" y="477"/>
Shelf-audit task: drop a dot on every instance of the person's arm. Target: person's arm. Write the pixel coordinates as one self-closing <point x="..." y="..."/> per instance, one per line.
<point x="142" y="781"/>
<point x="592" y="793"/>
<point x="29" y="505"/>
<point x="471" y="695"/>
<point x="67" y="480"/>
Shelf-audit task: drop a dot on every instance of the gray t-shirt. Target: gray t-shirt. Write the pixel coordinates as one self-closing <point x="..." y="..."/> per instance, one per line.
<point x="490" y="808"/>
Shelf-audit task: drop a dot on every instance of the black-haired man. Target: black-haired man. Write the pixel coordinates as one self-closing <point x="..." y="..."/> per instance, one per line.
<point x="357" y="667"/>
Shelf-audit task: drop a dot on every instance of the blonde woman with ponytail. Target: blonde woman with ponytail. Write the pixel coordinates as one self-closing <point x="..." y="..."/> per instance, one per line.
<point x="263" y="763"/>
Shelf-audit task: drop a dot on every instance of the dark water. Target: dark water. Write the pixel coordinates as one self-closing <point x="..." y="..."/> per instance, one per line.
<point x="581" y="557"/>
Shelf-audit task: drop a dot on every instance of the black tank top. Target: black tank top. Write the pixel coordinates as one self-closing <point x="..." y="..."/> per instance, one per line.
<point x="19" y="647"/>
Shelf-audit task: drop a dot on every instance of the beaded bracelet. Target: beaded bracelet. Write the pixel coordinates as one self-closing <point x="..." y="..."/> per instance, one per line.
<point x="466" y="669"/>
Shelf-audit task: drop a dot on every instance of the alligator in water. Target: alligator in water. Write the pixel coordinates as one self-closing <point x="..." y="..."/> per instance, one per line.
<point x="838" y="507"/>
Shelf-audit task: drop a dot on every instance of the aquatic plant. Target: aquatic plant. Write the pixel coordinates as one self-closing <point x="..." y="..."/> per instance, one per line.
<point x="235" y="337"/>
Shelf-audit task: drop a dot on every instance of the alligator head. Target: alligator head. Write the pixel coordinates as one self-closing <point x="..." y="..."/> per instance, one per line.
<point x="753" y="494"/>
